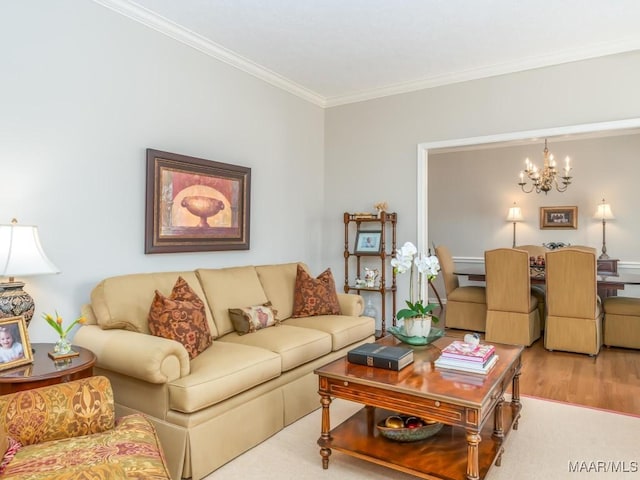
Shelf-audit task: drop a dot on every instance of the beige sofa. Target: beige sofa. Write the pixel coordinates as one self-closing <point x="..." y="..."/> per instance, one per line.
<point x="240" y="390"/>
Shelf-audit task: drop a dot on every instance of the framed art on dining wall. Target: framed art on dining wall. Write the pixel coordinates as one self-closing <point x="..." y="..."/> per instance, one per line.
<point x="15" y="349"/>
<point x="195" y="205"/>
<point x="558" y="218"/>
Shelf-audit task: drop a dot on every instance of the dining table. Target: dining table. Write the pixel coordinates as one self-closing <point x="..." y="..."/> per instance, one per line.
<point x="608" y="284"/>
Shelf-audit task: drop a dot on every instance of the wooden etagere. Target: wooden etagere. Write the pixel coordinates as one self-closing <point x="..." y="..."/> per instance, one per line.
<point x="354" y="265"/>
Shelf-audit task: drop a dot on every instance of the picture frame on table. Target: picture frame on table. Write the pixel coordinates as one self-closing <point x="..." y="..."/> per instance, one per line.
<point x="368" y="242"/>
<point x="195" y="205"/>
<point x="559" y="218"/>
<point x="15" y="348"/>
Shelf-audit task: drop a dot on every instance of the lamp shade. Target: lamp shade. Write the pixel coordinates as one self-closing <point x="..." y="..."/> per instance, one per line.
<point x="603" y="212"/>
<point x="21" y="253"/>
<point x="515" y="215"/>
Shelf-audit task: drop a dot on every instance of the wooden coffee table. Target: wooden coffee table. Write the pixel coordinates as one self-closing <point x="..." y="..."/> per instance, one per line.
<point x="477" y="419"/>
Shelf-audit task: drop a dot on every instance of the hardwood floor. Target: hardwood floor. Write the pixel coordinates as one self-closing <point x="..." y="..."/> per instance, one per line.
<point x="611" y="380"/>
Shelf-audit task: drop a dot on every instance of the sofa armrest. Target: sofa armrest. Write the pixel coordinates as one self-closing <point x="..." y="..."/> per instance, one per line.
<point x="351" y="304"/>
<point x="64" y="410"/>
<point x="145" y="357"/>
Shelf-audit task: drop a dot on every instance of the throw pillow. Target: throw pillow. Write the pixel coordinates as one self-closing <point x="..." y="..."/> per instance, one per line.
<point x="252" y="319"/>
<point x="181" y="317"/>
<point x="315" y="296"/>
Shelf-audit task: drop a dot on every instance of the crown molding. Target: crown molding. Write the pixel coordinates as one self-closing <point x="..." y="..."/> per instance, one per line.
<point x="150" y="19"/>
<point x="146" y="17"/>
<point x="557" y="58"/>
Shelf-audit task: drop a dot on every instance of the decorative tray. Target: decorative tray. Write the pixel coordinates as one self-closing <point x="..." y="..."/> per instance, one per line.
<point x="434" y="334"/>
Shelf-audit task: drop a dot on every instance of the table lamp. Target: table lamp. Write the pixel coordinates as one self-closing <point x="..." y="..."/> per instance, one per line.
<point x="21" y="255"/>
<point x="514" y="215"/>
<point x="604" y="213"/>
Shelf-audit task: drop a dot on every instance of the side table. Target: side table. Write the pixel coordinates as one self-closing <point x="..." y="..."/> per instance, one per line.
<point x="45" y="371"/>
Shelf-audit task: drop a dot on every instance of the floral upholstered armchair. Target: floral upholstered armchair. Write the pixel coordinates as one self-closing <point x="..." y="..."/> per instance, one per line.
<point x="69" y="431"/>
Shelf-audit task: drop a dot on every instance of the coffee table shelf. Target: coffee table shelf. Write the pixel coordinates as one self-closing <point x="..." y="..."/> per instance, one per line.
<point x="442" y="456"/>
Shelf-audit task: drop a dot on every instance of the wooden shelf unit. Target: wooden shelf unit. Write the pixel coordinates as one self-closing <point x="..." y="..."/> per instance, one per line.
<point x="386" y="223"/>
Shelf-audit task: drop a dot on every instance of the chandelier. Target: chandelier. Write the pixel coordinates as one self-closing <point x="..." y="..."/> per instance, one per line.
<point x="547" y="178"/>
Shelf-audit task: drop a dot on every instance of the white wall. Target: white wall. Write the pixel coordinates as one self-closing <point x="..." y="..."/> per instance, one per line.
<point x="84" y="91"/>
<point x="371" y="147"/>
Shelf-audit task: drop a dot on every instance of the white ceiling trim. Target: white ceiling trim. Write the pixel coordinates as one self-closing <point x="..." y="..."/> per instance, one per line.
<point x="175" y="31"/>
<point x="567" y="56"/>
<point x="192" y="39"/>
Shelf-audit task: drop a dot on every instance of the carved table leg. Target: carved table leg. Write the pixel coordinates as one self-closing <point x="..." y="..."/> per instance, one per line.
<point x="473" y="439"/>
<point x="515" y="398"/>
<point x="325" y="438"/>
<point x="498" y="429"/>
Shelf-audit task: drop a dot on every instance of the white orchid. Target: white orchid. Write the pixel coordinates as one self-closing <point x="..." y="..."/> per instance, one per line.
<point x="406" y="258"/>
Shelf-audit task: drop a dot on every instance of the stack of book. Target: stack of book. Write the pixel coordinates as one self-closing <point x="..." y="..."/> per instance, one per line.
<point x="465" y="357"/>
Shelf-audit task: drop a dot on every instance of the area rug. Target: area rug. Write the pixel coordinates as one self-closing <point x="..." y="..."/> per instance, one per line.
<point x="554" y="441"/>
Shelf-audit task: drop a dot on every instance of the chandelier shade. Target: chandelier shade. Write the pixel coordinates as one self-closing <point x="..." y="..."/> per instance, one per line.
<point x="547" y="178"/>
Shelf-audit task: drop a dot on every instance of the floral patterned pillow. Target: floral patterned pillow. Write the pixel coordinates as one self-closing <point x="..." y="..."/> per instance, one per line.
<point x="181" y="317"/>
<point x="315" y="296"/>
<point x="251" y="319"/>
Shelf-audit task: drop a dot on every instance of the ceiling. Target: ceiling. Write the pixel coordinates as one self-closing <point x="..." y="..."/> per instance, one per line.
<point x="333" y="52"/>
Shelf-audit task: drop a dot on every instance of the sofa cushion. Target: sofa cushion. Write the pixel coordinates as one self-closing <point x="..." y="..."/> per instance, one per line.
<point x="295" y="345"/>
<point x="315" y="296"/>
<point x="227" y="288"/>
<point x="132" y="445"/>
<point x="123" y="301"/>
<point x="222" y="371"/>
<point x="343" y="330"/>
<point x="250" y="319"/>
<point x="181" y="317"/>
<point x="279" y="283"/>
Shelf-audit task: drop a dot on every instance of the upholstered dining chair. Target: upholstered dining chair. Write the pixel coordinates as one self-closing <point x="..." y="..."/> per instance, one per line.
<point x="466" y="306"/>
<point x="537" y="290"/>
<point x="621" y="322"/>
<point x="574" y="311"/>
<point x="512" y="310"/>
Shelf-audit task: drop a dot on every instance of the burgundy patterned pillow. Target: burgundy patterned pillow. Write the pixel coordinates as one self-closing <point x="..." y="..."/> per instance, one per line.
<point x="315" y="296"/>
<point x="181" y="317"/>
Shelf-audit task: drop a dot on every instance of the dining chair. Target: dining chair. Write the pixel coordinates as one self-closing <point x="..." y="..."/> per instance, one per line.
<point x="574" y="310"/>
<point x="466" y="306"/>
<point x="621" y="322"/>
<point x="538" y="291"/>
<point x="512" y="310"/>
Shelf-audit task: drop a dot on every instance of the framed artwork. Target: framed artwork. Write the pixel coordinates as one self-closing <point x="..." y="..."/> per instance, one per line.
<point x="195" y="205"/>
<point x="15" y="349"/>
<point x="368" y="242"/>
<point x="558" y="218"/>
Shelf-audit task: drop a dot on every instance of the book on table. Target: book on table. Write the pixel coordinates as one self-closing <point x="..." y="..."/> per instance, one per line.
<point x="468" y="352"/>
<point x="465" y="365"/>
<point x="382" y="356"/>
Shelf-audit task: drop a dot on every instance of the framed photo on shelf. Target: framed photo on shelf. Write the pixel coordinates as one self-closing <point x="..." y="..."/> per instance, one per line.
<point x="558" y="218"/>
<point x="368" y="242"/>
<point x="15" y="349"/>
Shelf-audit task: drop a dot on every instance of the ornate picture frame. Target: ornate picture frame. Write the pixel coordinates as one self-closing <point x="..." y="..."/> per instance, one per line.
<point x="558" y="218"/>
<point x="15" y="348"/>
<point x="195" y="205"/>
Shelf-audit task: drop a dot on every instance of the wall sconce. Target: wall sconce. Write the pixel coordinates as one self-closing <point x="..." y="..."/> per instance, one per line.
<point x="604" y="213"/>
<point x="514" y="215"/>
<point x="21" y="255"/>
